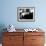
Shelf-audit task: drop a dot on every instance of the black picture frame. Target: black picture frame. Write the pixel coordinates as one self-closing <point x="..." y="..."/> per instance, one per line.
<point x="26" y="14"/>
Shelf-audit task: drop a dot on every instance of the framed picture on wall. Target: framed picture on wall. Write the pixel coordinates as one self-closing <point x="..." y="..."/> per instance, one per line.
<point x="26" y="14"/>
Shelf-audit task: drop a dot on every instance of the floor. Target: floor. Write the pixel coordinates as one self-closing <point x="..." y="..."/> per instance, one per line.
<point x="0" y="44"/>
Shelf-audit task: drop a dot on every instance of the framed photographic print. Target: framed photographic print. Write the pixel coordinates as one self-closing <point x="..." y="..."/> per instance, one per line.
<point x="26" y="14"/>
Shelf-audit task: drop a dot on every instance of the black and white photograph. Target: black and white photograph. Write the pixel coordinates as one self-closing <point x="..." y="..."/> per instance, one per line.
<point x="26" y="14"/>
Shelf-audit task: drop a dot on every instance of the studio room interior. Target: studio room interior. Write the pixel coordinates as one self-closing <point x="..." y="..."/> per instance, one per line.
<point x="22" y="22"/>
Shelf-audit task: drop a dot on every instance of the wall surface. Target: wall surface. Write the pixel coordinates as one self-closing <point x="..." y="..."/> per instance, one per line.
<point x="8" y="13"/>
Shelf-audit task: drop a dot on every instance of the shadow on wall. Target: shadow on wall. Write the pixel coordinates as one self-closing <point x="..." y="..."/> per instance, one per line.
<point x="2" y="26"/>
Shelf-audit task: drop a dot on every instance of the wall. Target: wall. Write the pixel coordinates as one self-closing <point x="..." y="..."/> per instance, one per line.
<point x="8" y="13"/>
